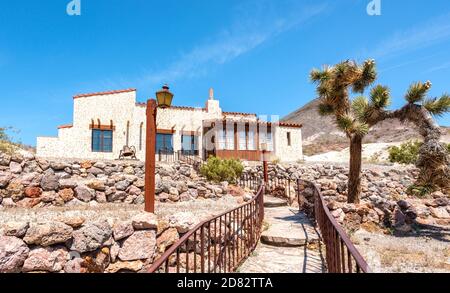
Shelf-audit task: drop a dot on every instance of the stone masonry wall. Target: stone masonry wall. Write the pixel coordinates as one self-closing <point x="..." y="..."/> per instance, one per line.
<point x="29" y="182"/>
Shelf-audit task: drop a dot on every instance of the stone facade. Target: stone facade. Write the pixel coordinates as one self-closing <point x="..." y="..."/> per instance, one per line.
<point x="118" y="111"/>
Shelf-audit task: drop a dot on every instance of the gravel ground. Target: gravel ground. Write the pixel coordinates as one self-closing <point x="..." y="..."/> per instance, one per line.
<point x="426" y="252"/>
<point x="201" y="208"/>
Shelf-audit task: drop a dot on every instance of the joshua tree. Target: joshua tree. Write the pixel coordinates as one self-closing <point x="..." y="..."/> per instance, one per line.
<point x="334" y="85"/>
<point x="355" y="117"/>
<point x="434" y="161"/>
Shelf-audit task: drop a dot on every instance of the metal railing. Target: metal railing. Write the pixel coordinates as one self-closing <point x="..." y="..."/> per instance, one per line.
<point x="217" y="245"/>
<point x="341" y="254"/>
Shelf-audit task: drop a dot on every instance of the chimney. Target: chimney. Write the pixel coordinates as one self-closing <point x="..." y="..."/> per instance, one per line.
<point x="211" y="94"/>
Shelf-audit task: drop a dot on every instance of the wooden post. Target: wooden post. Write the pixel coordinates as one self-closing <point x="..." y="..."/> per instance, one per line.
<point x="265" y="167"/>
<point x="150" y="157"/>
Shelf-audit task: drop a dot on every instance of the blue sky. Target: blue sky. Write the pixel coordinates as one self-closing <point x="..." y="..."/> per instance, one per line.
<point x="256" y="54"/>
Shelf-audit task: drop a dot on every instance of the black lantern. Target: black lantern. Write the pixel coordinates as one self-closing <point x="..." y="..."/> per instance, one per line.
<point x="164" y="97"/>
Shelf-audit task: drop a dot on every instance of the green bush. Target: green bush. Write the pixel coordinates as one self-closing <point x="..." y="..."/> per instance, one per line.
<point x="219" y="170"/>
<point x="406" y="153"/>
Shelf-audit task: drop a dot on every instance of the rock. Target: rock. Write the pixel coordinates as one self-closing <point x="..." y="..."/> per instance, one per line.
<point x="133" y="190"/>
<point x="45" y="259"/>
<point x="140" y="183"/>
<point x="74" y="221"/>
<point x="74" y="266"/>
<point x="404" y="205"/>
<point x="8" y="203"/>
<point x="91" y="236"/>
<point x="145" y="221"/>
<point x="84" y="194"/>
<point x="235" y="190"/>
<point x="133" y="266"/>
<point x="28" y="203"/>
<point x="129" y="170"/>
<point x="13" y="253"/>
<point x="48" y="196"/>
<point x="46" y="234"/>
<point x="86" y="164"/>
<point x="67" y="183"/>
<point x="440" y="213"/>
<point x="122" y="230"/>
<point x="117" y="196"/>
<point x="66" y="194"/>
<point x="139" y="199"/>
<point x="399" y="218"/>
<point x="5" y="178"/>
<point x="16" y="229"/>
<point x="100" y="197"/>
<point x="32" y="192"/>
<point x="100" y="165"/>
<point x="167" y="239"/>
<point x="183" y="221"/>
<point x="140" y="245"/>
<point x="15" y="189"/>
<point x="50" y="182"/>
<point x="122" y="185"/>
<point x="95" y="171"/>
<point x="5" y="159"/>
<point x="15" y="168"/>
<point x="96" y="185"/>
<point x="441" y="202"/>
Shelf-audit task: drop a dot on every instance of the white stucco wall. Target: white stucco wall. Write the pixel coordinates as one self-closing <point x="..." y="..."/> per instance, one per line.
<point x="283" y="151"/>
<point x="121" y="108"/>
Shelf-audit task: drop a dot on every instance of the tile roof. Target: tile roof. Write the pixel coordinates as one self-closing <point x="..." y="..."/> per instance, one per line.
<point x="65" y="126"/>
<point x="239" y="113"/>
<point x="104" y="93"/>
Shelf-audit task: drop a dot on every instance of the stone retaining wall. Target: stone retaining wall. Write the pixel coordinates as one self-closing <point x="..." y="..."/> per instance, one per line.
<point x="30" y="182"/>
<point x="72" y="245"/>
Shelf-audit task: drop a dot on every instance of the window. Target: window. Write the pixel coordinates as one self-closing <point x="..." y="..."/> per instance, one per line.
<point x="164" y="143"/>
<point x="189" y="144"/>
<point x="242" y="140"/>
<point x="102" y="141"/>
<point x="128" y="133"/>
<point x="289" y="138"/>
<point x="251" y="140"/>
<point x="230" y="139"/>
<point x="140" y="135"/>
<point x="221" y="138"/>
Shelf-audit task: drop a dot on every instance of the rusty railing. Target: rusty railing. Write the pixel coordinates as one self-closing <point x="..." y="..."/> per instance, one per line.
<point x="217" y="245"/>
<point x="341" y="254"/>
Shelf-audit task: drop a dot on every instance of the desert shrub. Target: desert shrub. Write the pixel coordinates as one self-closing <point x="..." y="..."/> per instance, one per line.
<point x="406" y="153"/>
<point x="219" y="170"/>
<point x="6" y="146"/>
<point x="448" y="147"/>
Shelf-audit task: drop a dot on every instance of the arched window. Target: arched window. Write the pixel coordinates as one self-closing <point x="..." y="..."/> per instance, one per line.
<point x="141" y="129"/>
<point x="128" y="133"/>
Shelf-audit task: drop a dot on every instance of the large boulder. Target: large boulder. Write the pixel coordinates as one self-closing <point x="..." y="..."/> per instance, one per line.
<point x="46" y="234"/>
<point x="48" y="259"/>
<point x="13" y="253"/>
<point x="140" y="245"/>
<point x="15" y="168"/>
<point x="91" y="236"/>
<point x="5" y="178"/>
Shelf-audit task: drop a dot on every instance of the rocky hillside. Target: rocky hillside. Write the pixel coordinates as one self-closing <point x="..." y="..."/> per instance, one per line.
<point x="318" y="129"/>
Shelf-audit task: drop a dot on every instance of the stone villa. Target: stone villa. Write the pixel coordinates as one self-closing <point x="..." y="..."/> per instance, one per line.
<point x="103" y="123"/>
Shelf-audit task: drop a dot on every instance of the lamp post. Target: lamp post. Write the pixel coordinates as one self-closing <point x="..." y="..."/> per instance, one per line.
<point x="163" y="100"/>
<point x="265" y="164"/>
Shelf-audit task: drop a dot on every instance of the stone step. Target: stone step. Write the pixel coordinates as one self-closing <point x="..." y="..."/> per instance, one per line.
<point x="273" y="202"/>
<point x="288" y="228"/>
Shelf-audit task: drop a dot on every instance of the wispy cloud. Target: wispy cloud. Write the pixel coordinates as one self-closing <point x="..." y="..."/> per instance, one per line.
<point x="252" y="27"/>
<point x="422" y="36"/>
<point x="439" y="67"/>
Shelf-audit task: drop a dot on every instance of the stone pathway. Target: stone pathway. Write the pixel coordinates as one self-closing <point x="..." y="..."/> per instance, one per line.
<point x="289" y="245"/>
